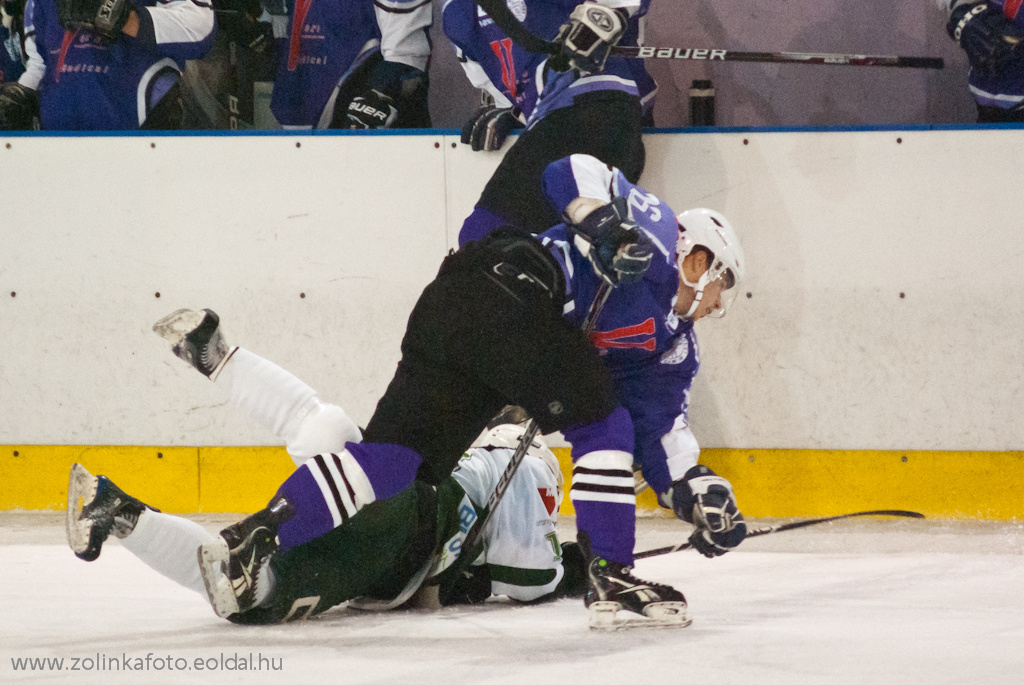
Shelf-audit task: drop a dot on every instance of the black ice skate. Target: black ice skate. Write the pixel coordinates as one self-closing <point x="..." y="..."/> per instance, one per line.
<point x="233" y="565"/>
<point x="613" y="586"/>
<point x="97" y="508"/>
<point x="196" y="338"/>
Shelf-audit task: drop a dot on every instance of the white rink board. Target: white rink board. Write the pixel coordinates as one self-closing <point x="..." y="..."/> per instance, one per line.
<point x="823" y="354"/>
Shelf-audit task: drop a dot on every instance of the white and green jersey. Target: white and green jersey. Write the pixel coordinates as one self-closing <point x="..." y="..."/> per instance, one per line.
<point x="520" y="544"/>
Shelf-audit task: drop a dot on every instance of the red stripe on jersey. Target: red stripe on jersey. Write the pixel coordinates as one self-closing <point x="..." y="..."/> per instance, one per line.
<point x="613" y="338"/>
<point x="1011" y="8"/>
<point x="64" y="46"/>
<point x="295" y="41"/>
<point x="503" y="51"/>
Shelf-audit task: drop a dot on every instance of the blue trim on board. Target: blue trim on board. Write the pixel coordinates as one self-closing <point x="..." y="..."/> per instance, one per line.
<point x="690" y="130"/>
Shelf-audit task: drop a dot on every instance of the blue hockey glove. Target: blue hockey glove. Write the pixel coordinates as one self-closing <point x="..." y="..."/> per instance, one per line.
<point x="586" y="41"/>
<point x="707" y="501"/>
<point x="619" y="251"/>
<point x="985" y="34"/>
<point x="489" y="126"/>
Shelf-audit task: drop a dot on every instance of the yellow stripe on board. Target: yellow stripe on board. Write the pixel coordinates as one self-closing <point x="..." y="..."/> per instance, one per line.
<point x="811" y="483"/>
<point x="768" y="483"/>
<point x="172" y="479"/>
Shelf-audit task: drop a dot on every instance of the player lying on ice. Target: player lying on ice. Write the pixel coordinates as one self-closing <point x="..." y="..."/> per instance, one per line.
<point x="340" y="527"/>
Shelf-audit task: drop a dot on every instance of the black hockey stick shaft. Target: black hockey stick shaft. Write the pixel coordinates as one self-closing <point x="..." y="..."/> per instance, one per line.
<point x="474" y="535"/>
<point x="767" y="530"/>
<point x="825" y="58"/>
<point x="498" y="11"/>
<point x="596" y="306"/>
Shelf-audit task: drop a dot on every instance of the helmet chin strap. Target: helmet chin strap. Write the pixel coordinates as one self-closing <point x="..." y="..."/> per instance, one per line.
<point x="698" y="290"/>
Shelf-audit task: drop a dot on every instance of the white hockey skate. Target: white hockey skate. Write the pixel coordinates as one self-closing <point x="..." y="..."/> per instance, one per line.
<point x="196" y="338"/>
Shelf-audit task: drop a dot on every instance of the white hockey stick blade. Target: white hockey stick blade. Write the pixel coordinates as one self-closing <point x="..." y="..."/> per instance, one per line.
<point x="213" y="561"/>
<point x="176" y="325"/>
<point x="605" y="616"/>
<point x="81" y="492"/>
<point x="639" y="483"/>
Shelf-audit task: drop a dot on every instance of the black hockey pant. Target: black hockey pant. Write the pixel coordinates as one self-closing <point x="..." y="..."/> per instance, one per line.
<point x="605" y="124"/>
<point x="487" y="332"/>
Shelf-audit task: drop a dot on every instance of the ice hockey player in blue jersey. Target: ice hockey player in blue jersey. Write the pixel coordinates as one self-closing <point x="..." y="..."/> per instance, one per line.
<point x="117" y="72"/>
<point x="353" y="64"/>
<point x="990" y="32"/>
<point x="647" y="341"/>
<point x="579" y="101"/>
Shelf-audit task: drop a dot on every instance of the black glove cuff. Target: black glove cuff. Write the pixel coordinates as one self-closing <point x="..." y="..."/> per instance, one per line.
<point x="602" y="219"/>
<point x="147" y="33"/>
<point x="387" y="77"/>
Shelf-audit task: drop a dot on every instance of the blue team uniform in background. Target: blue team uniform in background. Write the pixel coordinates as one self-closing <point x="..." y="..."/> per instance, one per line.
<point x="325" y="41"/>
<point x="520" y="75"/>
<point x="1003" y="88"/>
<point x="93" y="84"/>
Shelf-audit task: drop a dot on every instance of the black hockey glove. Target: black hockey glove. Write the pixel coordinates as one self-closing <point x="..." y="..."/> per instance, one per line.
<point x="391" y="85"/>
<point x="619" y="251"/>
<point x="489" y="126"/>
<point x="105" y="18"/>
<point x="19" y="107"/>
<point x="574" y="581"/>
<point x="586" y="41"/>
<point x="240" y="20"/>
<point x="372" y="109"/>
<point x="985" y="34"/>
<point x="707" y="501"/>
<point x="471" y="586"/>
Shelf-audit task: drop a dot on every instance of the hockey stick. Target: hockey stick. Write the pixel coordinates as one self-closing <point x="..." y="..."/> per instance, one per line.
<point x="499" y="12"/>
<point x="767" y="530"/>
<point x="475" y="533"/>
<point x="837" y="59"/>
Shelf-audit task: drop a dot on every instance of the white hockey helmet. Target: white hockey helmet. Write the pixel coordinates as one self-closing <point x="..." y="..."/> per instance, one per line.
<point x="508" y="434"/>
<point x="712" y="231"/>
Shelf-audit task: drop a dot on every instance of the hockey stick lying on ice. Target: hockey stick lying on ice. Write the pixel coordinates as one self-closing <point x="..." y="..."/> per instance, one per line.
<point x="498" y="11"/>
<point x="767" y="530"/>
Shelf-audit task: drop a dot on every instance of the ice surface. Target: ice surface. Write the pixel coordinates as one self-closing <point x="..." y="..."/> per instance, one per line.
<point x="856" y="601"/>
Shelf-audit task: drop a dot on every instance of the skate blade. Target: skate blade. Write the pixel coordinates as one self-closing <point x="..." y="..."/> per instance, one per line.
<point x="213" y="560"/>
<point x="605" y="616"/>
<point x="81" y="492"/>
<point x="176" y="325"/>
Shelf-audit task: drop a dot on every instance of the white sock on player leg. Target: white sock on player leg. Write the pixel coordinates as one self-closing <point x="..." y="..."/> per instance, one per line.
<point x="168" y="544"/>
<point x="281" y="402"/>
